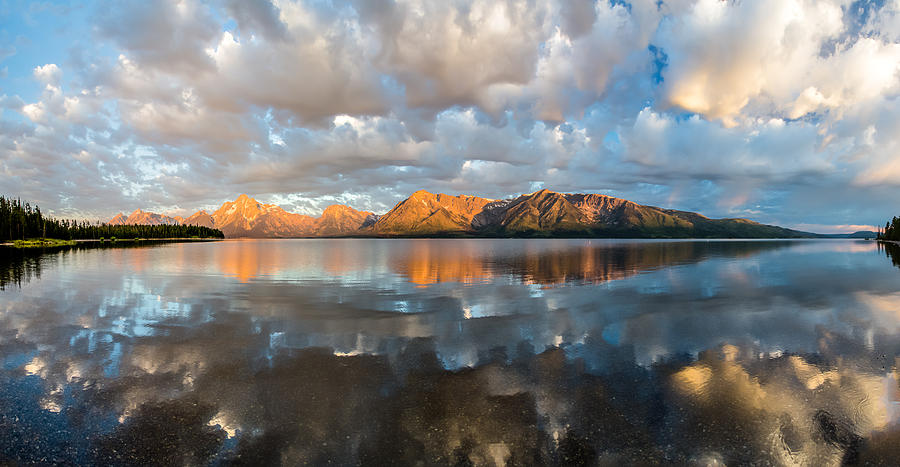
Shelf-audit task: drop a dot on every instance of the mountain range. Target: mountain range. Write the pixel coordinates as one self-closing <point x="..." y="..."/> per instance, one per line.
<point x="540" y="214"/>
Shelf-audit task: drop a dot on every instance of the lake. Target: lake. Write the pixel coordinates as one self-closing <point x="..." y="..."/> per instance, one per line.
<point x="452" y="351"/>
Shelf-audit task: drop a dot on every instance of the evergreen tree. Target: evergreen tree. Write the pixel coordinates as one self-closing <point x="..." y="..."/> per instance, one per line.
<point x="891" y="230"/>
<point x="21" y="221"/>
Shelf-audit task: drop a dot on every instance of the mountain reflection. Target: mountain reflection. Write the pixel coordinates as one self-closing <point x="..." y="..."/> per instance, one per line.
<point x="318" y="352"/>
<point x="431" y="261"/>
<point x="554" y="262"/>
<point x="595" y="263"/>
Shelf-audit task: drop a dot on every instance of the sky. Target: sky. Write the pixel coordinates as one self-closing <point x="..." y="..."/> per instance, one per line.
<point x="781" y="111"/>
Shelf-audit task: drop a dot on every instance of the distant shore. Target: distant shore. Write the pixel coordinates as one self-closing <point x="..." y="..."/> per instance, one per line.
<point x="561" y="236"/>
<point x="59" y="243"/>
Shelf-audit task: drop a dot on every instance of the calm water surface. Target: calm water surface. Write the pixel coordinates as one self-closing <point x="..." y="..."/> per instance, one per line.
<point x="463" y="352"/>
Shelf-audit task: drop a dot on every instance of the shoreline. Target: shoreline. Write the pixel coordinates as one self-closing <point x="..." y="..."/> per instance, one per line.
<point x="59" y="243"/>
<point x="535" y="237"/>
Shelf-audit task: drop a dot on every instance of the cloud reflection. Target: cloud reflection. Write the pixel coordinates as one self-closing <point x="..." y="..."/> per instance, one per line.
<point x="740" y="352"/>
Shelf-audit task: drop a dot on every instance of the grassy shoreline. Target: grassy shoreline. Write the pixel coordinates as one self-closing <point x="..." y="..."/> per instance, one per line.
<point x="56" y="243"/>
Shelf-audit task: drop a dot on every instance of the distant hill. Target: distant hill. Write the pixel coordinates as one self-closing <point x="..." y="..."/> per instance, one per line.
<point x="543" y="213"/>
<point x="424" y="213"/>
<point x="139" y="217"/>
<point x="858" y="234"/>
<point x="338" y="219"/>
<point x="547" y="213"/>
<point x="246" y="217"/>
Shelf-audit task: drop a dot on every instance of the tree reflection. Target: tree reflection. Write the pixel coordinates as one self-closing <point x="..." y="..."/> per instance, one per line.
<point x="21" y="265"/>
<point x="18" y="266"/>
<point x="892" y="250"/>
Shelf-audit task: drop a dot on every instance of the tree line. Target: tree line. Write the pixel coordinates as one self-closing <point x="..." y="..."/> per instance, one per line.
<point x="22" y="221"/>
<point x="891" y="230"/>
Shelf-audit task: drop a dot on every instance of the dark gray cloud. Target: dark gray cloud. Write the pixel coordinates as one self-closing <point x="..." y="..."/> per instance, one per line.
<point x="257" y="16"/>
<point x="168" y="35"/>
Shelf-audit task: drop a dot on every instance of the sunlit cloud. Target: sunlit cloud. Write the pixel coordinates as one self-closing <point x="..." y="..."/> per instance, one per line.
<point x="739" y="109"/>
